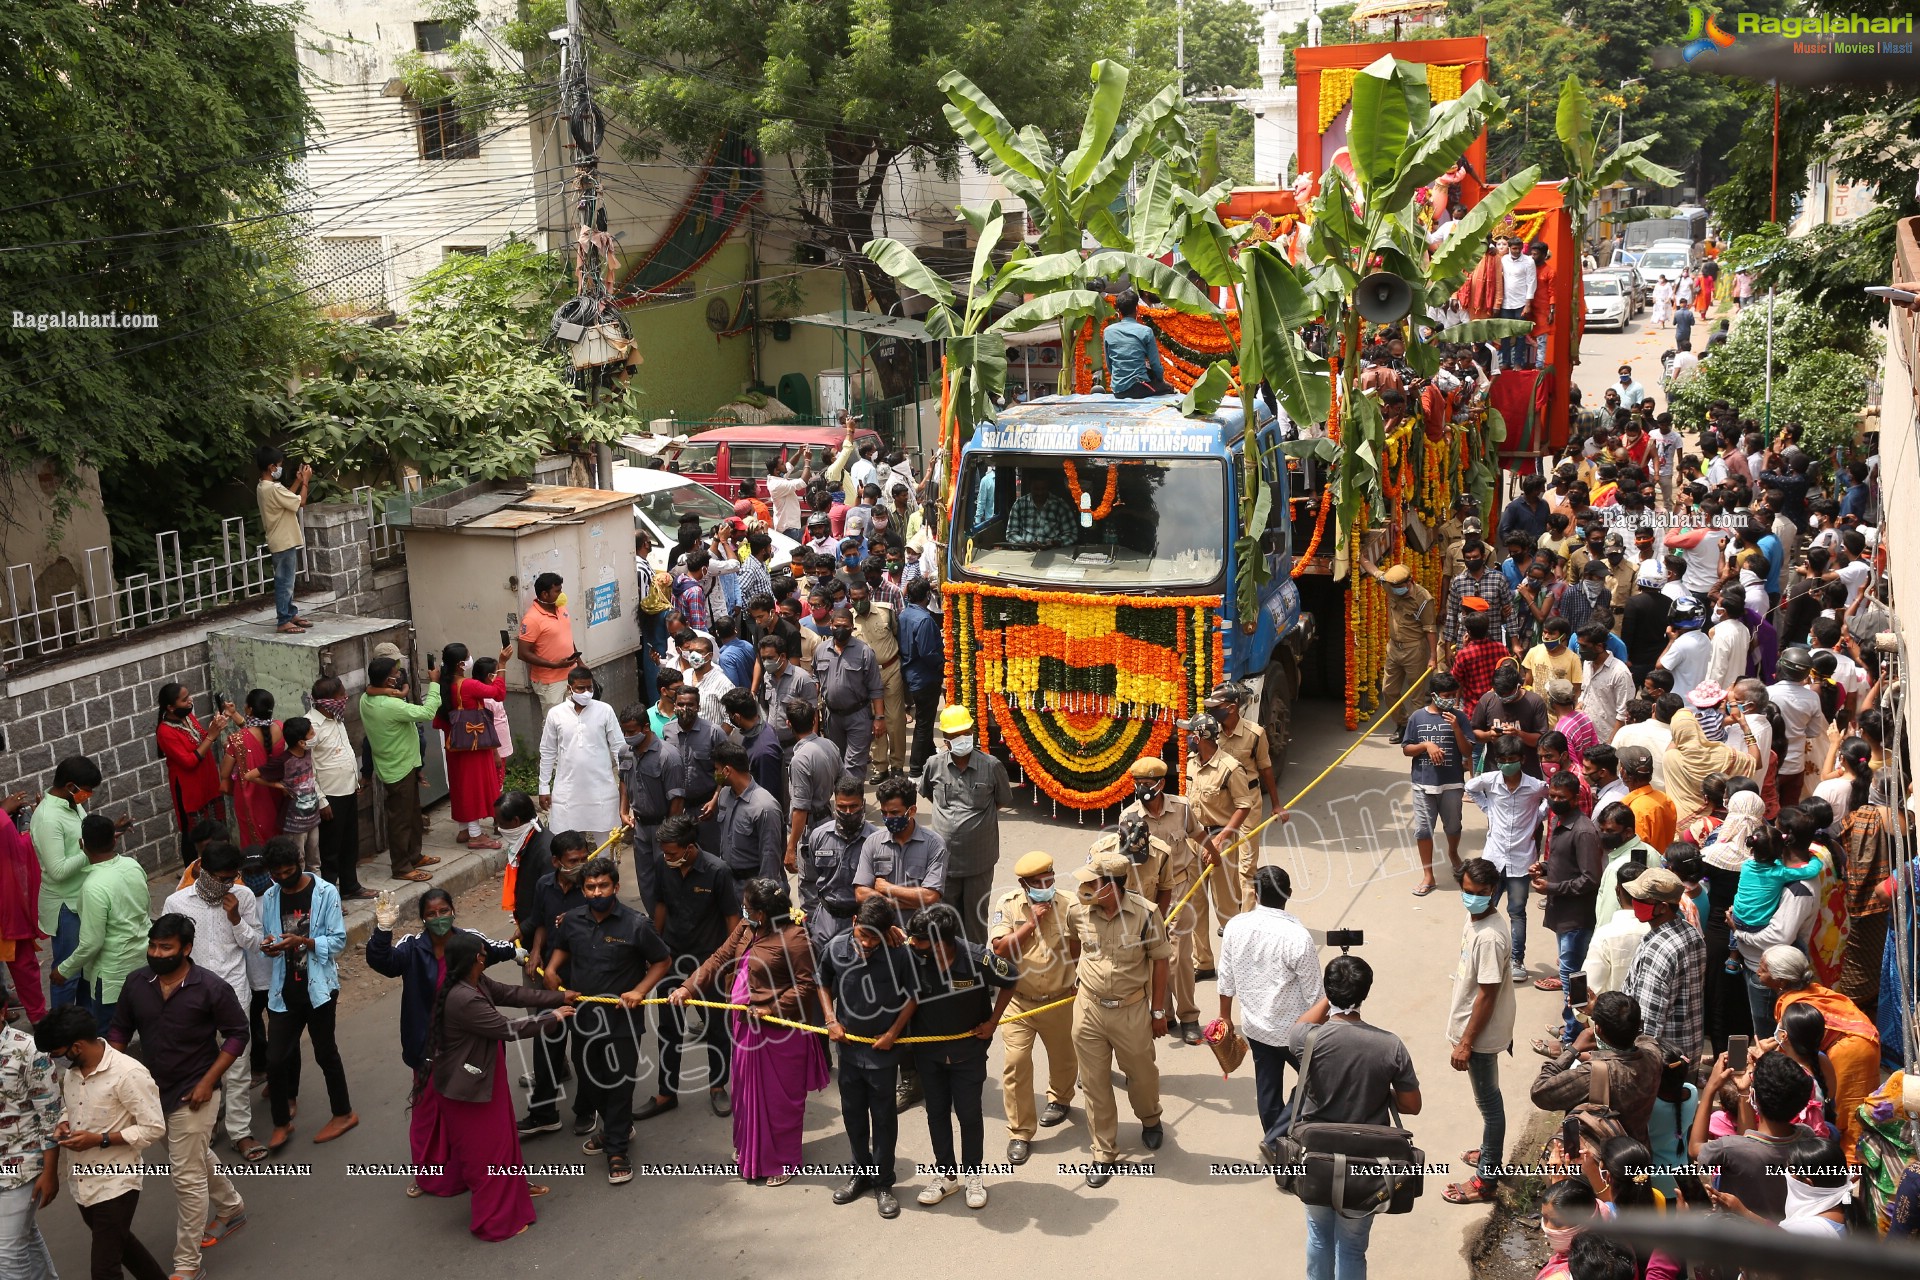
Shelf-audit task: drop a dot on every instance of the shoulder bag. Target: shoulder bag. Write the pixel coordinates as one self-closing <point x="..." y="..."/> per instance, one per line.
<point x="470" y="728"/>
<point x="1355" y="1169"/>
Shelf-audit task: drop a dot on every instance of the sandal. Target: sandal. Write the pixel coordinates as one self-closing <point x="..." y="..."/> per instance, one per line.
<point x="1421" y="891"/>
<point x="1546" y="984"/>
<point x="483" y="842"/>
<point x="427" y="862"/>
<point x="418" y="877"/>
<point x="537" y="1189"/>
<point x="219" y="1229"/>
<point x="251" y="1149"/>
<point x="1472" y="1191"/>
<point x="415" y="1191"/>
<point x="1548" y="1048"/>
<point x="1471" y="1158"/>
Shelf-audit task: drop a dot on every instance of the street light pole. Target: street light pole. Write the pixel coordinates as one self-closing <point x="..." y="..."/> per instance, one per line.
<point x="1620" y="131"/>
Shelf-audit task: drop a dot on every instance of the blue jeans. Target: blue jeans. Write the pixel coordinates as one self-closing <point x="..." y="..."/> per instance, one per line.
<point x="1515" y="888"/>
<point x="1760" y="1001"/>
<point x="1483" y="1073"/>
<point x="23" y="1253"/>
<point x="66" y="937"/>
<point x="1573" y="954"/>
<point x="1336" y="1246"/>
<point x="1515" y="353"/>
<point x="285" y="565"/>
<point x="102" y="1010"/>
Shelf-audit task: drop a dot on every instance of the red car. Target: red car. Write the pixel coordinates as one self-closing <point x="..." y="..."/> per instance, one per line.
<point x="727" y="458"/>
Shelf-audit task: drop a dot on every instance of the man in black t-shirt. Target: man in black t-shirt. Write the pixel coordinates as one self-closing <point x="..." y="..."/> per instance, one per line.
<point x="606" y="948"/>
<point x="867" y="987"/>
<point x="697" y="911"/>
<point x="553" y="895"/>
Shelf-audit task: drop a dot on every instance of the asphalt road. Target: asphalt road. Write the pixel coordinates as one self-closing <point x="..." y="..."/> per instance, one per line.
<point x="1351" y="855"/>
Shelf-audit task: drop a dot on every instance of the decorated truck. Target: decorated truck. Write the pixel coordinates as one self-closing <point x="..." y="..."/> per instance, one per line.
<point x="1094" y="549"/>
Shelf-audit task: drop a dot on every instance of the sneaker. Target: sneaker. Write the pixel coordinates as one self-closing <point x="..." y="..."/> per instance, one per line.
<point x="939" y="1189"/>
<point x="1519" y="974"/>
<point x="531" y="1126"/>
<point x="976" y="1191"/>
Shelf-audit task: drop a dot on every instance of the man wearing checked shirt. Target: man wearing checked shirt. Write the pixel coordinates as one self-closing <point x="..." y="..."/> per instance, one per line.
<point x="1040" y="517"/>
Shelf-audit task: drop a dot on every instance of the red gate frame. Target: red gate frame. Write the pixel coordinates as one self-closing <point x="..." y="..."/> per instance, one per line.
<point x="1466" y="52"/>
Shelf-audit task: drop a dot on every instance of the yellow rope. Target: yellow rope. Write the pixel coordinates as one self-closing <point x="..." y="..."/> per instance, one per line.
<point x="1201" y="879"/>
<point x="821" y="1031"/>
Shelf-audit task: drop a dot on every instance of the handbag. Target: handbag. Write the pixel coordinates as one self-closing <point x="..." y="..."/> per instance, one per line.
<point x="1357" y="1170"/>
<point x="1228" y="1045"/>
<point x="470" y="728"/>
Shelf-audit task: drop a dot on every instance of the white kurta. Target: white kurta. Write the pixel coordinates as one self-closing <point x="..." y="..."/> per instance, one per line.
<point x="579" y="767"/>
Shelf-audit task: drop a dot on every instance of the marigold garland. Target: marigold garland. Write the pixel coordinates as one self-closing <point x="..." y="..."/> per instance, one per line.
<point x="1074" y="490"/>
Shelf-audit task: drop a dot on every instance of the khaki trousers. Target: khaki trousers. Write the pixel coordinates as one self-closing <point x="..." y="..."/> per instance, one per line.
<point x="890" y="748"/>
<point x="1055" y="1029"/>
<point x="1101" y="1039"/>
<point x="196" y="1182"/>
<point x="1400" y="675"/>
<point x="1180" y="997"/>
<point x="1223" y="887"/>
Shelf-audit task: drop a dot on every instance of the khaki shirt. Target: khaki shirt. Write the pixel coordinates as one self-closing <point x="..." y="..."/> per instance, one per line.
<point x="1247" y="743"/>
<point x="1412" y="620"/>
<point x="1149" y="877"/>
<point x="1181" y="831"/>
<point x="1217" y="788"/>
<point x="1622" y="577"/>
<point x="1451" y="541"/>
<point x="877" y="629"/>
<point x="1117" y="953"/>
<point x="1046" y="961"/>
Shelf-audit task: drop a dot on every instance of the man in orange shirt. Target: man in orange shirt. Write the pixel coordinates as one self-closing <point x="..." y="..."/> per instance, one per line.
<point x="1540" y="310"/>
<point x="546" y="642"/>
<point x="1654" y="817"/>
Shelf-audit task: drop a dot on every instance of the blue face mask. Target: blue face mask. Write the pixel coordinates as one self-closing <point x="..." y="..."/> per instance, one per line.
<point x="1040" y="895"/>
<point x="896" y="823"/>
<point x="1476" y="902"/>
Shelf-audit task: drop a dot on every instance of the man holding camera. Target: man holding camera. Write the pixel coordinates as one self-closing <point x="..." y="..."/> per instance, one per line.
<point x="280" y="507"/>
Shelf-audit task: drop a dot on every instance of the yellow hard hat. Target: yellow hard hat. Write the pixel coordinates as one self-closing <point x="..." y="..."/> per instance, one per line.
<point x="955" y="719"/>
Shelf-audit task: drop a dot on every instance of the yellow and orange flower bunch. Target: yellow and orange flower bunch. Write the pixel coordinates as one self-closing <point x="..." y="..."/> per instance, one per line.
<point x="1075" y="492"/>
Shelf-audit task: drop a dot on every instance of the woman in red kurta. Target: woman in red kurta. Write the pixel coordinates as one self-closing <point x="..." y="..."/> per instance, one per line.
<point x="192" y="753"/>
<point x="256" y="806"/>
<point x="20" y="908"/>
<point x="473" y="775"/>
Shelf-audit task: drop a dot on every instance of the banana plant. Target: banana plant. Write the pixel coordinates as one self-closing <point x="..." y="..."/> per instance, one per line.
<point x="1588" y="171"/>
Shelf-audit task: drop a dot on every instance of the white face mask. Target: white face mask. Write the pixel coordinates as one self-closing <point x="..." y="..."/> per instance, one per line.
<point x="275" y="473"/>
<point x="582" y="698"/>
<point x="696" y="659"/>
<point x="962" y="745"/>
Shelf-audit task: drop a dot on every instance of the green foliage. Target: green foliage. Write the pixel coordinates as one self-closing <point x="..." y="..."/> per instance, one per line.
<point x="1222" y="55"/>
<point x="468" y="73"/>
<point x="1816" y="385"/>
<point x="144" y="156"/>
<point x="463" y="390"/>
<point x="1531" y="50"/>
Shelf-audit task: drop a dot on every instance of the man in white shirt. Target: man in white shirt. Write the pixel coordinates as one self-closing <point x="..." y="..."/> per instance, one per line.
<point x="783" y="494"/>
<point x="1615" y="939"/>
<point x="1605" y="683"/>
<point x="1511" y="799"/>
<point x="1702" y="548"/>
<point x="1642" y="730"/>
<point x="581" y="787"/>
<point x="336" y="771"/>
<point x="1519" y="278"/>
<point x="1805" y="723"/>
<point x="226" y="930"/>
<point x="1747" y="713"/>
<point x="1729" y="640"/>
<point x="1688" y="648"/>
<point x="1269" y="962"/>
<point x="1850" y="564"/>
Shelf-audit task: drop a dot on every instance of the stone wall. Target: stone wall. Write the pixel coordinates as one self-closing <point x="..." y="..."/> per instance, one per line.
<point x="100" y="700"/>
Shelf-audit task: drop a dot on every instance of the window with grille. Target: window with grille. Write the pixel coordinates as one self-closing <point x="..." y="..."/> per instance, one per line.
<point x="443" y="135"/>
<point x="432" y="37"/>
<point x="448" y="252"/>
<point x="347" y="271"/>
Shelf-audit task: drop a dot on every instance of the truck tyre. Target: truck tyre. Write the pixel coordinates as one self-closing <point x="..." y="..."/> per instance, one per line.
<point x="1277" y="694"/>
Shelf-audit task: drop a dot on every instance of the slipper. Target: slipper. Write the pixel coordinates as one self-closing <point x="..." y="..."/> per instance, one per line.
<point x="415" y="1191"/>
<point x="251" y="1149"/>
<point x="1472" y="1191"/>
<point x="1546" y="984"/>
<point x="1548" y="1048"/>
<point x="360" y="895"/>
<point x="1423" y="890"/>
<point x="535" y="1189"/>
<point x="426" y="862"/>
<point x="418" y="877"/>
<point x="219" y="1229"/>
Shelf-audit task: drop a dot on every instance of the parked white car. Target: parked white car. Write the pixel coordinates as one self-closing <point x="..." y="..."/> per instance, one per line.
<point x="661" y="498"/>
<point x="1607" y="302"/>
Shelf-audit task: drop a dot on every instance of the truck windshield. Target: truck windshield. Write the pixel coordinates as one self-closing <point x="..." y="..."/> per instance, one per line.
<point x="1166" y="526"/>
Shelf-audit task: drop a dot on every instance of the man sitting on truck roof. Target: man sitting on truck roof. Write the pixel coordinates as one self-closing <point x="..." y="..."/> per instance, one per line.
<point x="1133" y="354"/>
<point x="1040" y="517"/>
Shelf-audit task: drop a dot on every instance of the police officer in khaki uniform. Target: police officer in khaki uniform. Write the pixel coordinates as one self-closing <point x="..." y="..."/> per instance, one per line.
<point x="1413" y="641"/>
<point x="1169" y="818"/>
<point x="1220" y="789"/>
<point x="1120" y="1008"/>
<point x="1029" y="926"/>
<point x="1241" y="738"/>
<point x="874" y="623"/>
<point x="1452" y="536"/>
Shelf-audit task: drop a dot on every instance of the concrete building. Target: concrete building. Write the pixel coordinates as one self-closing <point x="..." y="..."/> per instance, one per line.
<point x="1275" y="107"/>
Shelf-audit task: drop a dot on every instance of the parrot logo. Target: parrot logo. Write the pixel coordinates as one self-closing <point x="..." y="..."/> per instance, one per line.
<point x="1703" y="34"/>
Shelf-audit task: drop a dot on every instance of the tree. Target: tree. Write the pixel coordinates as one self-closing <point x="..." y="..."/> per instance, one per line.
<point x="1222" y="55"/>
<point x="145" y="151"/>
<point x="1530" y="51"/>
<point x="840" y="92"/>
<point x="1813" y="384"/>
<point x="465" y="389"/>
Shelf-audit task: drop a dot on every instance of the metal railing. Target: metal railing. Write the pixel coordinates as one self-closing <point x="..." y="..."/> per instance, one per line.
<point x="99" y="609"/>
<point x="385" y="543"/>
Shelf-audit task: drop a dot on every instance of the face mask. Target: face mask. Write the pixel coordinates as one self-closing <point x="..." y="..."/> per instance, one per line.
<point x="687" y="719"/>
<point x="696" y="659"/>
<point x="962" y="745"/>
<point x="773" y="666"/>
<point x="1476" y="902"/>
<point x="164" y="965"/>
<point x="1399" y="591"/>
<point x="1512" y="768"/>
<point x="1559" y="1239"/>
<point x="1147" y="794"/>
<point x="275" y="473"/>
<point x="1624" y="380"/>
<point x="1613" y="839"/>
<point x="600" y="906"/>
<point x="567" y="875"/>
<point x="897" y="823"/>
<point x="1445" y="704"/>
<point x="1555" y="646"/>
<point x="1643" y="911"/>
<point x="634" y="740"/>
<point x="1561" y="808"/>
<point x="439" y="926"/>
<point x="841" y="635"/>
<point x="211" y="890"/>
<point x="332" y="708"/>
<point x="1475" y="566"/>
<point x="862" y="607"/>
<point x="849" y="824"/>
<point x="582" y="698"/>
<point x="893" y="568"/>
<point x="1040" y="895"/>
<point x="677" y="866"/>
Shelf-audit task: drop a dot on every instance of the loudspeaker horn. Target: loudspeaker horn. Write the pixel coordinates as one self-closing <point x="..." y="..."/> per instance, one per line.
<point x="1383" y="297"/>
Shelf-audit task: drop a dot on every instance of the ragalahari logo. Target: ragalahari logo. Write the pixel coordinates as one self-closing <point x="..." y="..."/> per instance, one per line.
<point x="1703" y="34"/>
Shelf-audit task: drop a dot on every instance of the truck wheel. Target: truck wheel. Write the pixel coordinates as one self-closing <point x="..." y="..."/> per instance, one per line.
<point x="1277" y="694"/>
